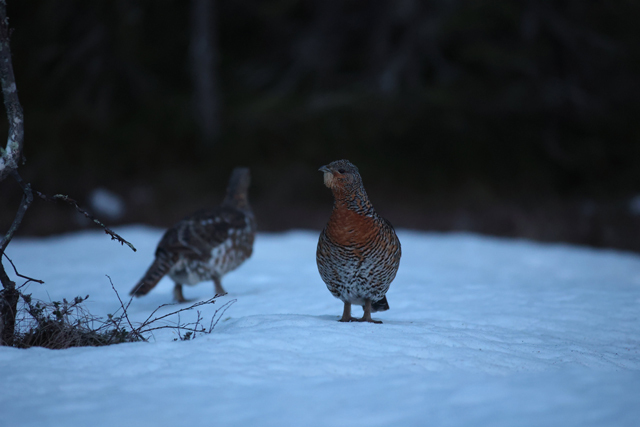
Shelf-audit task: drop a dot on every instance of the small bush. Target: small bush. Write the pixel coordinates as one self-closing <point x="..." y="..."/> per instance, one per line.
<point x="59" y="325"/>
<point x="65" y="324"/>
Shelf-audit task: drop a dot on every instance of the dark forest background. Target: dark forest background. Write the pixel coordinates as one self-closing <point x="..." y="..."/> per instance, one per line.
<point x="513" y="118"/>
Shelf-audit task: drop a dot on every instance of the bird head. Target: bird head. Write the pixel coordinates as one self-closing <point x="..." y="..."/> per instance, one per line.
<point x="341" y="176"/>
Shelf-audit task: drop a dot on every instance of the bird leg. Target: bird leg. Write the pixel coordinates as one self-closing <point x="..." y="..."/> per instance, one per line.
<point x="367" y="313"/>
<point x="177" y="293"/>
<point x="219" y="289"/>
<point x="346" y="314"/>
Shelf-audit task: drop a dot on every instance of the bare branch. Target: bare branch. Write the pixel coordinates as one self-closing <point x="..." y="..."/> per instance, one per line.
<point x="9" y="159"/>
<point x="224" y="309"/>
<point x="135" y="331"/>
<point x="15" y="270"/>
<point x="149" y="321"/>
<point x="69" y="200"/>
<point x="147" y="326"/>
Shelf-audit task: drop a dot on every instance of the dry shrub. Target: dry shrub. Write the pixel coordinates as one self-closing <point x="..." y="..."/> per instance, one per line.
<point x="60" y="325"/>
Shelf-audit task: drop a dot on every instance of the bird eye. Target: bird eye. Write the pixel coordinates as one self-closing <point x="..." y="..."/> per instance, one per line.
<point x="341" y="170"/>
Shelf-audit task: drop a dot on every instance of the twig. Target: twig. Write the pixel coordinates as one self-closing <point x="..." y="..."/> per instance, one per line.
<point x="224" y="308"/>
<point x="69" y="200"/>
<point x="145" y="328"/>
<point x="186" y="327"/>
<point x="195" y="327"/>
<point x="124" y="311"/>
<point x="150" y="321"/>
<point x="15" y="270"/>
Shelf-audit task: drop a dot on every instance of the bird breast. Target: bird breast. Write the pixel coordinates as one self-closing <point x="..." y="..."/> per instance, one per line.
<point x="348" y="228"/>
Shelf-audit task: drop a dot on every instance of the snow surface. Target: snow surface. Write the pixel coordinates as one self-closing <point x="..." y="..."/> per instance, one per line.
<point x="481" y="332"/>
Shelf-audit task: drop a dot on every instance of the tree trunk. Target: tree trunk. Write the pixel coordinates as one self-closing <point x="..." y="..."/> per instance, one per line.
<point x="9" y="160"/>
<point x="204" y="56"/>
<point x="8" y="305"/>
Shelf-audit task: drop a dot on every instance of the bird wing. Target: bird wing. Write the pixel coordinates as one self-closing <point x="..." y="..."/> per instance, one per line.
<point x="196" y="235"/>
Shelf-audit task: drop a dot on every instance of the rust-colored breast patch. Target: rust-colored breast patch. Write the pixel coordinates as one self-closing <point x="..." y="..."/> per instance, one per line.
<point x="349" y="228"/>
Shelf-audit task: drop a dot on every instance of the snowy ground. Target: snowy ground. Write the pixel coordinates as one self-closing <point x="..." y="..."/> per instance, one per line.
<point x="481" y="332"/>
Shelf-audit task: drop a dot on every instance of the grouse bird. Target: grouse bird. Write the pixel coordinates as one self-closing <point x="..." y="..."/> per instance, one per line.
<point x="207" y="244"/>
<point x="358" y="251"/>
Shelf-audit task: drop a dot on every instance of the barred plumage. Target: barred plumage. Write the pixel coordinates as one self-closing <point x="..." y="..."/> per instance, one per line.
<point x="358" y="251"/>
<point x="207" y="244"/>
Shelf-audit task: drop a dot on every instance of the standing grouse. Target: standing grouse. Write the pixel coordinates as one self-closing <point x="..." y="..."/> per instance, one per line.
<point x="207" y="244"/>
<point x="358" y="252"/>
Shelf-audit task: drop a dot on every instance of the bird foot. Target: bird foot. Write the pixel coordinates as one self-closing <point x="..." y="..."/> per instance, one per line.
<point x="349" y="319"/>
<point x="358" y="319"/>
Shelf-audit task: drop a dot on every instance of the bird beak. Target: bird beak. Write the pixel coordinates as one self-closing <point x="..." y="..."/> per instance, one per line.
<point x="325" y="169"/>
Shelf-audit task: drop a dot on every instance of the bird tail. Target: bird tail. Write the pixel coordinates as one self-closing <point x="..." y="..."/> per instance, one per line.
<point x="381" y="305"/>
<point x="160" y="266"/>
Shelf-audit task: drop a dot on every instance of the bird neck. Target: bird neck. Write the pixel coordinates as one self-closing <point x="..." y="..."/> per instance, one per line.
<point x="237" y="200"/>
<point x="356" y="201"/>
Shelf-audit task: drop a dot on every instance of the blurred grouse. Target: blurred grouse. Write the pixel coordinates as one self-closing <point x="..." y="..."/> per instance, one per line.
<point x="207" y="244"/>
<point x="358" y="252"/>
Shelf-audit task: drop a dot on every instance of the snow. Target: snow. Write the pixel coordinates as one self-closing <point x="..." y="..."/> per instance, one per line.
<point x="107" y="204"/>
<point x="481" y="332"/>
